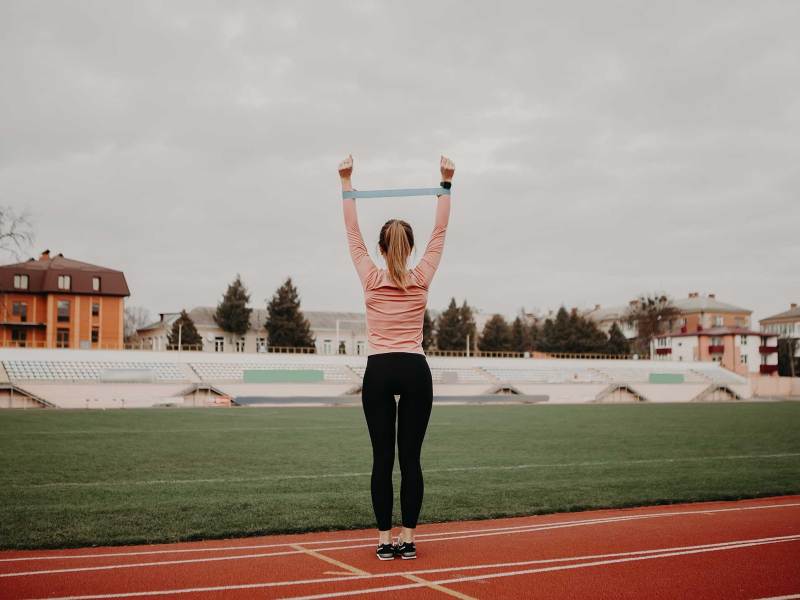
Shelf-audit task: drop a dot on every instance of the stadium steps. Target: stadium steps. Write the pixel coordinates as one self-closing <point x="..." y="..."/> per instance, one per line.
<point x="189" y="373"/>
<point x="13" y="388"/>
<point x="4" y="374"/>
<point x="488" y="374"/>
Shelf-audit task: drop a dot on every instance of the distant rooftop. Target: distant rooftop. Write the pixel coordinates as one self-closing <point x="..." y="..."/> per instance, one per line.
<point x="792" y="313"/>
<point x="697" y="303"/>
<point x="43" y="276"/>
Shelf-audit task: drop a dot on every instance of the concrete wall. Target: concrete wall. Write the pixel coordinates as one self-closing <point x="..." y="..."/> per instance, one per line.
<point x="775" y="386"/>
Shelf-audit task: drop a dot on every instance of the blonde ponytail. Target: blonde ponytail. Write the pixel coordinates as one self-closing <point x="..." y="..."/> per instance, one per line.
<point x="396" y="242"/>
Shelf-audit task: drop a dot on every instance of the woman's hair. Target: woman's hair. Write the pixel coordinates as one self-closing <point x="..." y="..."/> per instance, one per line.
<point x="396" y="241"/>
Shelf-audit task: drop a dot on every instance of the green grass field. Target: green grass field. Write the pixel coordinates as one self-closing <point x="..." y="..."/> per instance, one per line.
<point x="77" y="478"/>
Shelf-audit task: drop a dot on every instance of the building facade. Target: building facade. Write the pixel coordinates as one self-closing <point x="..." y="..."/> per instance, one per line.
<point x="58" y="302"/>
<point x="334" y="332"/>
<point x="699" y="313"/>
<point x="785" y="325"/>
<point x="739" y="350"/>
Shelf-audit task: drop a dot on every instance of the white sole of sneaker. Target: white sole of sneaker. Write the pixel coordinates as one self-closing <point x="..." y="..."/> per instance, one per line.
<point x="386" y="558"/>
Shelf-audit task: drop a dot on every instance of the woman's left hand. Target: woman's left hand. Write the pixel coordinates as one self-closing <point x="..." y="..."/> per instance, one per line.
<point x="447" y="167"/>
<point x="346" y="168"/>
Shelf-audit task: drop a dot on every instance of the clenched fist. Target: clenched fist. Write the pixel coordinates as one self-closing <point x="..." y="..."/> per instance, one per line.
<point x="447" y="167"/>
<point x="346" y="167"/>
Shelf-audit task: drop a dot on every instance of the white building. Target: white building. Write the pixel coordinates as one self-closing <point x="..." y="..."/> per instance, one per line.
<point x="784" y="325"/>
<point x="739" y="350"/>
<point x="605" y="317"/>
<point x="332" y="330"/>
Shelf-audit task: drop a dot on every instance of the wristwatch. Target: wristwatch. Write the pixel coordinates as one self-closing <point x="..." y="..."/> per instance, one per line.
<point x="446" y="184"/>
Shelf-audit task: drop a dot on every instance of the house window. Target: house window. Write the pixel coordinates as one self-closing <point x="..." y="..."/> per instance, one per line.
<point x="261" y="344"/>
<point x="19" y="337"/>
<point x="743" y="359"/>
<point x="62" y="338"/>
<point x="20" y="282"/>
<point x="359" y="348"/>
<point x="240" y="344"/>
<point x="327" y="346"/>
<point x="20" y="309"/>
<point x="95" y="284"/>
<point x="718" y="321"/>
<point x="63" y="311"/>
<point x="64" y="282"/>
<point x="716" y="341"/>
<point x="219" y="344"/>
<point x="95" y="335"/>
<point x="743" y="340"/>
<point x="95" y="309"/>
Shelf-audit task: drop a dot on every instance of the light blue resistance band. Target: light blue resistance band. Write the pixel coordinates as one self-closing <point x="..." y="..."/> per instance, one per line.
<point x="395" y="193"/>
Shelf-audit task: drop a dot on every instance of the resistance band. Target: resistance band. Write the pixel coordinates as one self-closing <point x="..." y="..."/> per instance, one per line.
<point x="394" y="193"/>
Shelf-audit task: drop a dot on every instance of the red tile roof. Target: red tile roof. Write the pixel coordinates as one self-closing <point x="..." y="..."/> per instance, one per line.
<point x="43" y="277"/>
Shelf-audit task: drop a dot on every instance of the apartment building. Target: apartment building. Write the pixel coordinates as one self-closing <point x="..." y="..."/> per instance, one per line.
<point x="59" y="302"/>
<point x="785" y="325"/>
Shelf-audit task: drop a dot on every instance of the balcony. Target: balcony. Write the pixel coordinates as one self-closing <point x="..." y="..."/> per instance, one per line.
<point x="717" y="349"/>
<point x="767" y="349"/>
<point x="768" y="369"/>
<point x="663" y="351"/>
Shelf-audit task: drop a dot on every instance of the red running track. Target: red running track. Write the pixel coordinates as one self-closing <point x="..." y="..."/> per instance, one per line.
<point x="744" y="549"/>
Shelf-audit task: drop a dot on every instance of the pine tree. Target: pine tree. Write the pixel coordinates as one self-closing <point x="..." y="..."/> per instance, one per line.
<point x="184" y="328"/>
<point x="427" y="330"/>
<point x="467" y="325"/>
<point x="232" y="314"/>
<point x="523" y="335"/>
<point x="496" y="335"/>
<point x="570" y="332"/>
<point x="617" y="342"/>
<point x="286" y="326"/>
<point x="448" y="333"/>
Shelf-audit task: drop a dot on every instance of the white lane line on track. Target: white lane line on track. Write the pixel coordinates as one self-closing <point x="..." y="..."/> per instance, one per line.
<point x="544" y="569"/>
<point x="369" y="473"/>
<point x="625" y="557"/>
<point x="790" y="597"/>
<point x="430" y="537"/>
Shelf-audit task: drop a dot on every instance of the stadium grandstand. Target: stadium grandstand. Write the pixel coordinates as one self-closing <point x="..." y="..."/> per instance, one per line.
<point x="124" y="379"/>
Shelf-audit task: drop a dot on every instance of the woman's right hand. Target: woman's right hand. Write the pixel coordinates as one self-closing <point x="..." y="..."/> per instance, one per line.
<point x="346" y="169"/>
<point x="447" y="167"/>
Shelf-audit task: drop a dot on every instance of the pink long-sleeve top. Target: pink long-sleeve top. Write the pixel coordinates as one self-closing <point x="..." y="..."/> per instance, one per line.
<point x="394" y="316"/>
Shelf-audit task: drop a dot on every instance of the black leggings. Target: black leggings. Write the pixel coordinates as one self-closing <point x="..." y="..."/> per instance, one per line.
<point x="406" y="374"/>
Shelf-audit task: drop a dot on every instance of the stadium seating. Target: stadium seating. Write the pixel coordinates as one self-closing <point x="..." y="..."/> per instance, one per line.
<point x="104" y="379"/>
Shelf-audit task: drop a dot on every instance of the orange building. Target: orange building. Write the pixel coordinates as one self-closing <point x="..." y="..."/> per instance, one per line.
<point x="57" y="302"/>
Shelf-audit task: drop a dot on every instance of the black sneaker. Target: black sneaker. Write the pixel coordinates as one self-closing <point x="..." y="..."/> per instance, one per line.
<point x="385" y="551"/>
<point x="405" y="550"/>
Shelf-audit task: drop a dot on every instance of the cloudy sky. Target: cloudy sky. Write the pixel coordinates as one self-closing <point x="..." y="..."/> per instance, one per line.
<point x="602" y="149"/>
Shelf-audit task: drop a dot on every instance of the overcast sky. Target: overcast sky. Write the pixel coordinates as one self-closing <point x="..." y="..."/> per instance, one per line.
<point x="602" y="149"/>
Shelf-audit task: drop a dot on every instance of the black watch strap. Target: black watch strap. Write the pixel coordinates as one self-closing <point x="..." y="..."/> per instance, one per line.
<point x="446" y="184"/>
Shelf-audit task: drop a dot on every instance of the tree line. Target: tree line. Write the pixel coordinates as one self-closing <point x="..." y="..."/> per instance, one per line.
<point x="569" y="332"/>
<point x="454" y="329"/>
<point x="285" y="325"/>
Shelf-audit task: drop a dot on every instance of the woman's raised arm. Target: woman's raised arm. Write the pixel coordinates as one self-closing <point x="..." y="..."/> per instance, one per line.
<point x="358" y="249"/>
<point x="433" y="252"/>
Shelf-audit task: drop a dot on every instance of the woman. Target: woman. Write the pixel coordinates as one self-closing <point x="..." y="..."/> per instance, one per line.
<point x="395" y="300"/>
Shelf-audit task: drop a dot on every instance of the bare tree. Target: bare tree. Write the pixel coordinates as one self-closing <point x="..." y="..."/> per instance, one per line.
<point x="136" y="317"/>
<point x="16" y="232"/>
<point x="651" y="315"/>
